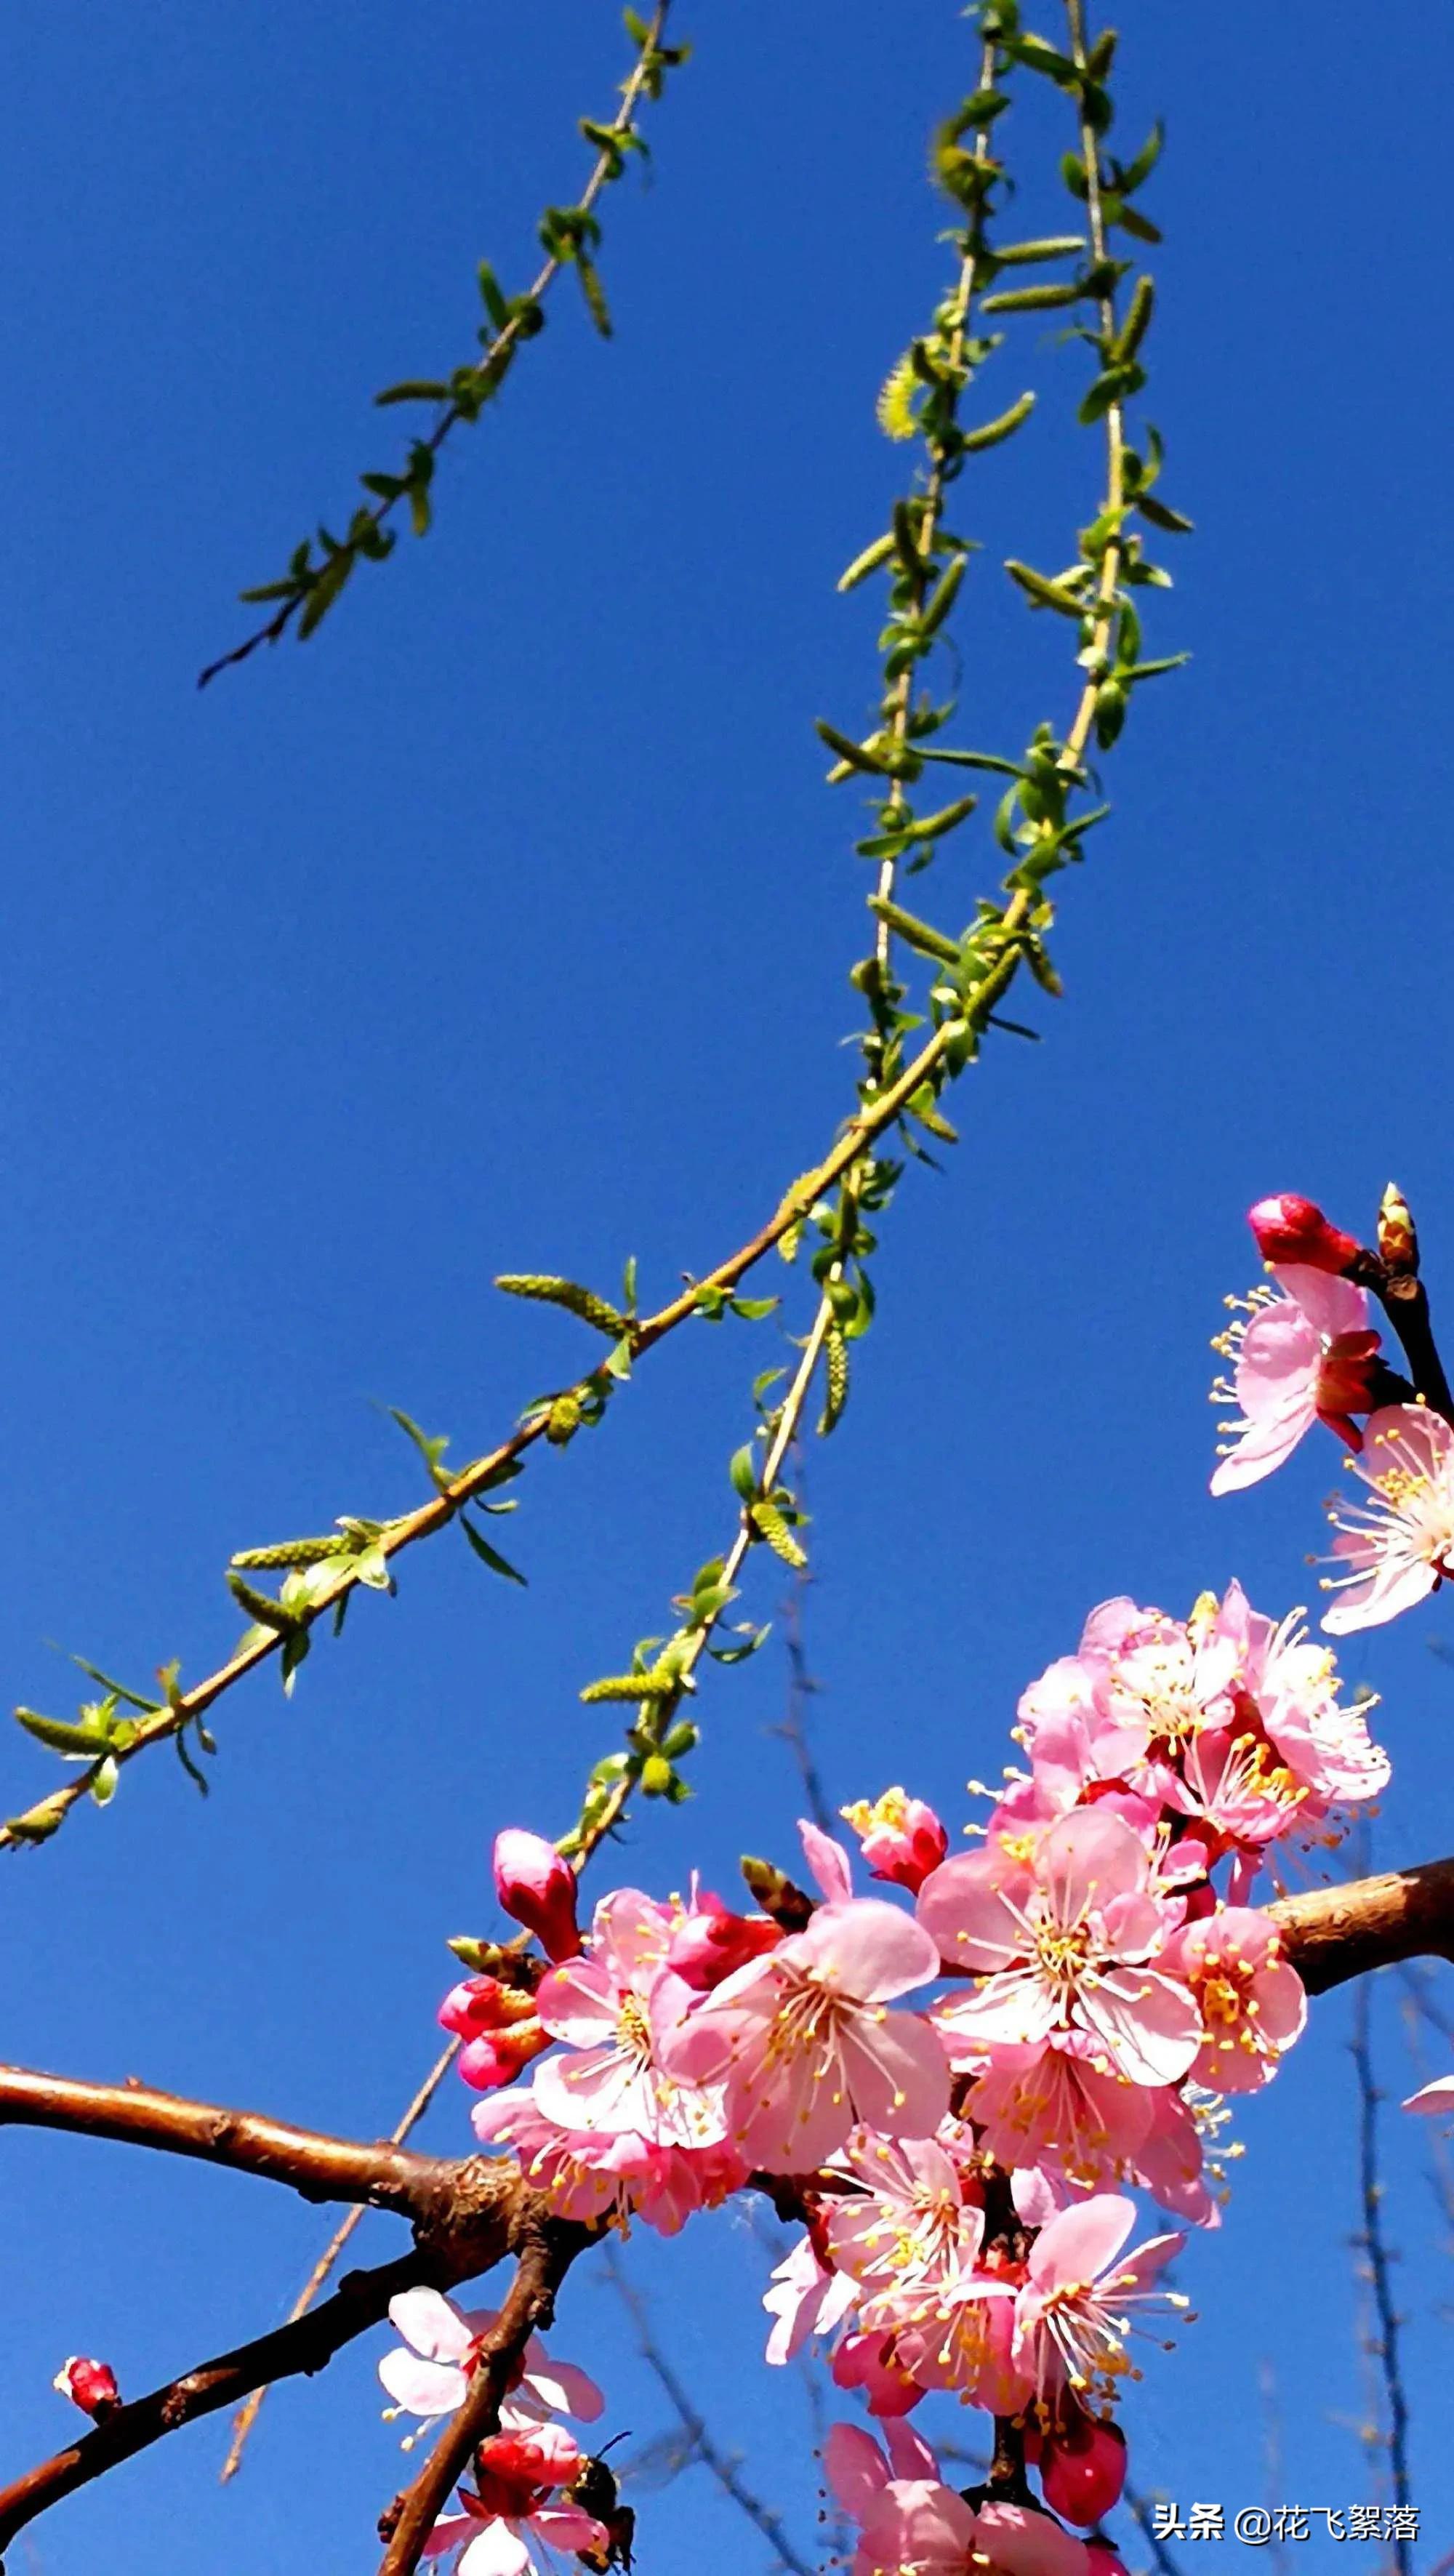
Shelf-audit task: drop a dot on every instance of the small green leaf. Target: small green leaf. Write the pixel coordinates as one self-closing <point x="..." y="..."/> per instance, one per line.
<point x="488" y="1555"/>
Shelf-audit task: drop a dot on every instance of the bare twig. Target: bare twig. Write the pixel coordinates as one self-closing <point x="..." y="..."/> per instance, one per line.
<point x="327" y="2261"/>
<point x="303" y="2344"/>
<point x="721" y="2464"/>
<point x="1383" y="2342"/>
<point x="545" y="2256"/>
<point x="802" y="1688"/>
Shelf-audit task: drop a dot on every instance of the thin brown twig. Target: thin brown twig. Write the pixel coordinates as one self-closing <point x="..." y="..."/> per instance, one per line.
<point x="302" y="2345"/>
<point x="493" y="360"/>
<point x="721" y="2465"/>
<point x="328" y="2259"/>
<point x="1383" y="2340"/>
<point x="545" y="2257"/>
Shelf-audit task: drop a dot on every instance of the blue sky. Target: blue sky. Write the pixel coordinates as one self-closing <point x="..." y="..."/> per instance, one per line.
<point x="505" y="926"/>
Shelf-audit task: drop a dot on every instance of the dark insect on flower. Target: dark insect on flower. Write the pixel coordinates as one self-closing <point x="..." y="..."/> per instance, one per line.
<point x="596" y="2492"/>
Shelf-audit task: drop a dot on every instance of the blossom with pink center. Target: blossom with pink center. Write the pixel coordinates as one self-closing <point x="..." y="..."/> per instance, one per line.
<point x="535" y="1884"/>
<point x="1436" y="2099"/>
<point x="515" y="2506"/>
<point x="615" y="2010"/>
<point x="806" y="2045"/>
<point x="1293" y="1682"/>
<point x="1064" y="2106"/>
<point x="428" y="2374"/>
<point x="596" y="2178"/>
<point x="901" y="1838"/>
<point x="1072" y="2316"/>
<point x="912" y="2524"/>
<point x="1060" y="1945"/>
<point x="1307" y="1356"/>
<point x="1398" y="1547"/>
<point x="805" y="2297"/>
<point x="1252" y="2002"/>
<point x="911" y="2239"/>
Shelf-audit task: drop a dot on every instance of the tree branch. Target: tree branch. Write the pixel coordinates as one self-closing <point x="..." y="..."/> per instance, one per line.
<point x="548" y="2249"/>
<point x="1334" y="1933"/>
<point x="319" y="2168"/>
<point x="304" y="2344"/>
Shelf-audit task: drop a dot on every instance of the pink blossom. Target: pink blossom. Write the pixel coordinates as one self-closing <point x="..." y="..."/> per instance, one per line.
<point x="911" y="2238"/>
<point x="868" y="2363"/>
<point x="1060" y="1945"/>
<point x="804" y="2297"/>
<point x="1293" y="1229"/>
<point x="1401" y="1545"/>
<point x="428" y="2374"/>
<point x="911" y="2524"/>
<point x="1070" y="2325"/>
<point x="596" y="2178"/>
<point x="901" y="1838"/>
<point x="1169" y="2162"/>
<point x="616" y="2010"/>
<point x="515" y="2504"/>
<point x="538" y="1887"/>
<point x="1063" y="2105"/>
<point x="91" y="2385"/>
<point x="806" y="2045"/>
<point x="1436" y="2098"/>
<point x="1307" y="1356"/>
<point x="1326" y="1744"/>
<point x="1251" y="2000"/>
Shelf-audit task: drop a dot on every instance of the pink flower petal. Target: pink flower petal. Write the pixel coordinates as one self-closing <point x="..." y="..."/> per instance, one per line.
<point x="422" y="2387"/>
<point x="855" y="2468"/>
<point x="578" y="2003"/>
<point x="1150" y="2025"/>
<point x="897" y="2075"/>
<point x="866" y="1949"/>
<point x="497" y="2550"/>
<point x="1020" y="2543"/>
<point x="1078" y="2245"/>
<point x="965" y="1908"/>
<point x="828" y="1862"/>
<point x="1437" y="2097"/>
<point x="1332" y="1305"/>
<point x="426" y="2320"/>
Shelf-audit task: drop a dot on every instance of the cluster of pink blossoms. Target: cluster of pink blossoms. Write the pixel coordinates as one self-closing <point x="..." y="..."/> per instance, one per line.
<point x="954" y="2097"/>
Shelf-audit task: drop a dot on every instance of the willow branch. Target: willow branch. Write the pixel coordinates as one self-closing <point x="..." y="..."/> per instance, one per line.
<point x="545" y="2257"/>
<point x="302" y="2345"/>
<point x="484" y="374"/>
<point x="868" y="1122"/>
<point x="328" y="2260"/>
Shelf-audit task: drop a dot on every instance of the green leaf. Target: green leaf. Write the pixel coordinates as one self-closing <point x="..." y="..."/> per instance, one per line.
<point x="1042" y="593"/>
<point x="430" y="1445"/>
<point x="104" y="1780"/>
<point x="488" y="1555"/>
<point x="494" y="302"/>
<point x="743" y="1471"/>
<point x="79" y="1740"/>
<point x="992" y="432"/>
<point x="869" y="561"/>
<point x="414" y="389"/>
<point x="857" y="754"/>
<point x="116" y="1690"/>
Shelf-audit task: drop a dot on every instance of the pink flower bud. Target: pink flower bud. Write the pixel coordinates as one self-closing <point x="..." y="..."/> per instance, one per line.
<point x="711" y="1941"/>
<point x="1102" y="2559"/>
<point x="495" y="2057"/>
<point x="534" y="1884"/>
<point x="541" y="2455"/>
<point x="902" y="1839"/>
<point x="1294" y="1230"/>
<point x="91" y="2385"/>
<point x="1083" y="2468"/>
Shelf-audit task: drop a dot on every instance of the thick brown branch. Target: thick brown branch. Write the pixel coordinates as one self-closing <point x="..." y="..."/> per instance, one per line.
<point x="319" y="2167"/>
<point x="305" y="2344"/>
<point x="548" y="2249"/>
<point x="1335" y="1933"/>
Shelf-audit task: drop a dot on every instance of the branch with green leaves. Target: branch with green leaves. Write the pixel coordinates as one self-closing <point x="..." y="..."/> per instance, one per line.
<point x="570" y="236"/>
<point x="1039" y="825"/>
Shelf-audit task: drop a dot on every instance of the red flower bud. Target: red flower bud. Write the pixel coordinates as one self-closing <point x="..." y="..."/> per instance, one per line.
<point x="1292" y="1229"/>
<point x="91" y="2385"/>
<point x="542" y="2455"/>
<point x="495" y="2057"/>
<point x="1083" y="2468"/>
<point x="534" y="1884"/>
<point x="709" y="1943"/>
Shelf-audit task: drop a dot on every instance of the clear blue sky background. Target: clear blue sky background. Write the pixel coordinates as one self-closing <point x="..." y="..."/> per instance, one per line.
<point x="505" y="926"/>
